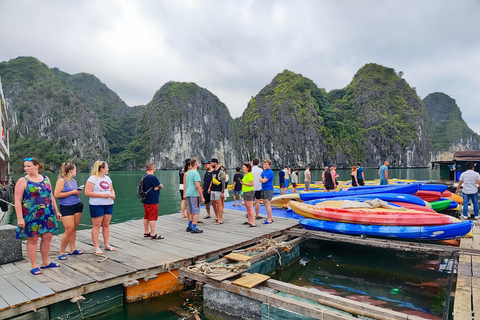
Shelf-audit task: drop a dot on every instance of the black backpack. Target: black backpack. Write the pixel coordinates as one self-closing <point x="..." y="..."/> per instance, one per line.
<point x="142" y="195"/>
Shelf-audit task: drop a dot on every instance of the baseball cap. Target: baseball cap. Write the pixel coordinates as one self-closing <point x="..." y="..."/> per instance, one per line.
<point x="214" y="160"/>
<point x="206" y="162"/>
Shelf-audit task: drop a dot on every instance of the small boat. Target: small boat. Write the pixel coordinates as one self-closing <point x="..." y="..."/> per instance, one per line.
<point x="433" y="187"/>
<point x="355" y="191"/>
<point x="390" y="197"/>
<point x="441" y="232"/>
<point x="333" y="211"/>
<point x="427" y="195"/>
<point x="441" y="204"/>
<point x="282" y="200"/>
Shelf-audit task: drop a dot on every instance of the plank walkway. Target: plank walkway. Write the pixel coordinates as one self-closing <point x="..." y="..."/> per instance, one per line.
<point x="467" y="294"/>
<point x="135" y="258"/>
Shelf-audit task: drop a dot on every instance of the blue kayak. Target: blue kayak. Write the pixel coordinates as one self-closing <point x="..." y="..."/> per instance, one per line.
<point x="433" y="187"/>
<point x="389" y="197"/>
<point x="356" y="191"/>
<point x="440" y="232"/>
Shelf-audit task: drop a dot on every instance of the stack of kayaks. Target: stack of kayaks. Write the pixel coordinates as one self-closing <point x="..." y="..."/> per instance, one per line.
<point x="406" y="215"/>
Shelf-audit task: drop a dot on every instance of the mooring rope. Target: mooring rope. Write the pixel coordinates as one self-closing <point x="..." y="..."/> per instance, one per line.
<point x="266" y="244"/>
<point x="217" y="270"/>
<point x="168" y="265"/>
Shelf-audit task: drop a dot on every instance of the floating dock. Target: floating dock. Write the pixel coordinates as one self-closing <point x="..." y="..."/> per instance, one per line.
<point x="143" y="268"/>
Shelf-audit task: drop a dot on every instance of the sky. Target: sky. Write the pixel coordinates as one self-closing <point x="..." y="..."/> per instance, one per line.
<point x="235" y="48"/>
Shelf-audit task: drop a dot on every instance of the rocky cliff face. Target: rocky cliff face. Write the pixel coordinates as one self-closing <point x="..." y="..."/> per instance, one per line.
<point x="389" y="118"/>
<point x="186" y="121"/>
<point x="48" y="120"/>
<point x="449" y="132"/>
<point x="282" y="123"/>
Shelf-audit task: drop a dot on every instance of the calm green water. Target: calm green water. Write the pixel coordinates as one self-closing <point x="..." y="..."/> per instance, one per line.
<point x="368" y="275"/>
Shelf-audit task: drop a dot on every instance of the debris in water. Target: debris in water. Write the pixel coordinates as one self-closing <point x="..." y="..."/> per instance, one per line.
<point x="396" y="290"/>
<point x="304" y="261"/>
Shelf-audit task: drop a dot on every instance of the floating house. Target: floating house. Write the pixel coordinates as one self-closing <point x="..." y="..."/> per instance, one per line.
<point x="452" y="169"/>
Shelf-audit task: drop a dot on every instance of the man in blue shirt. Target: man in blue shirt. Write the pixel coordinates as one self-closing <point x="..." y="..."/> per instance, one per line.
<point x="152" y="186"/>
<point x="360" y="175"/>
<point x="383" y="173"/>
<point x="281" y="180"/>
<point x="266" y="178"/>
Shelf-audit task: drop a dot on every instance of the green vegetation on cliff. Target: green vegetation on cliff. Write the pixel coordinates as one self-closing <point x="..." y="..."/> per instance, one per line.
<point x="446" y="124"/>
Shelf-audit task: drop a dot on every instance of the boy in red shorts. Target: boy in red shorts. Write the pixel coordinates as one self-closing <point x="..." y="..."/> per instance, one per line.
<point x="152" y="186"/>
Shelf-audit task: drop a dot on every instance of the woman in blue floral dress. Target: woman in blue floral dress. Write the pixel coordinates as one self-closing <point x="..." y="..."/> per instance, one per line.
<point x="37" y="213"/>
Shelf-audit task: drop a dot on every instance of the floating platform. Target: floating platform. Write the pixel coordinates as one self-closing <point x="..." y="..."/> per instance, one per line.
<point x="144" y="267"/>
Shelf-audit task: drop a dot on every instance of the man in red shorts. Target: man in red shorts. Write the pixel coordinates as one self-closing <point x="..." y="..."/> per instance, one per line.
<point x="152" y="186"/>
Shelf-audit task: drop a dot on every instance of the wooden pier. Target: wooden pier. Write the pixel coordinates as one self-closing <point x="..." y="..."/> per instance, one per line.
<point x="136" y="260"/>
<point x="467" y="294"/>
<point x="139" y="263"/>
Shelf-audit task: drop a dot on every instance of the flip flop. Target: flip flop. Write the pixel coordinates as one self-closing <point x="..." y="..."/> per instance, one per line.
<point x="62" y="257"/>
<point x="75" y="253"/>
<point x="245" y="223"/>
<point x="218" y="222"/>
<point x="266" y="222"/>
<point x="259" y="217"/>
<point x="251" y="225"/>
<point x="35" y="271"/>
<point x="51" y="265"/>
<point x="207" y="217"/>
<point x="199" y="221"/>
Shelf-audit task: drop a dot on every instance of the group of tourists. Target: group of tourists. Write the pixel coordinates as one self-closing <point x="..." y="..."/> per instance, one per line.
<point x="37" y="211"/>
<point x="255" y="184"/>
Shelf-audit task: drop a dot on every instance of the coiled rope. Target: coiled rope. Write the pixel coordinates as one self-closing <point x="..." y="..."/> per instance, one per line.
<point x="217" y="270"/>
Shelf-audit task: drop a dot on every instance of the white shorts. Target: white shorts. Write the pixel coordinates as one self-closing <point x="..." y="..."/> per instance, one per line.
<point x="215" y="195"/>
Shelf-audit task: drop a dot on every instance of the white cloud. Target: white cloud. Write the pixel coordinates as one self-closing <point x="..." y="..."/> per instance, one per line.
<point x="235" y="48"/>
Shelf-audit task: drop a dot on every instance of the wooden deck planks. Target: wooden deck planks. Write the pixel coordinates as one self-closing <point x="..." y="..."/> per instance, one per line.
<point x="10" y="293"/>
<point x="134" y="256"/>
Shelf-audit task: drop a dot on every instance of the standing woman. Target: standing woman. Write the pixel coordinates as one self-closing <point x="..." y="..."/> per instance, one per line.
<point x="248" y="193"/>
<point x="71" y="208"/>
<point x="226" y="194"/>
<point x="37" y="213"/>
<point x="354" y="176"/>
<point x="100" y="190"/>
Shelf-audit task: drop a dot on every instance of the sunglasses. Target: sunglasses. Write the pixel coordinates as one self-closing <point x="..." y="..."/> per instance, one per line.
<point x="28" y="159"/>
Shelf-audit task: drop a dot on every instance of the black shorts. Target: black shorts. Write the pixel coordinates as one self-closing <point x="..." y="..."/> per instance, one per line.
<point x="329" y="186"/>
<point x="258" y="194"/>
<point x="181" y="194"/>
<point x="207" y="197"/>
<point x="71" y="210"/>
<point x="361" y="182"/>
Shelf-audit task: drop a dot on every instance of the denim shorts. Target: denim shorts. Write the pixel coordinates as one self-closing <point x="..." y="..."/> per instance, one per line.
<point x="100" y="210"/>
<point x="237" y="192"/>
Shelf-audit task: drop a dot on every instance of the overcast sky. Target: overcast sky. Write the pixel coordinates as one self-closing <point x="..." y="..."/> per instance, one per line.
<point x="235" y="48"/>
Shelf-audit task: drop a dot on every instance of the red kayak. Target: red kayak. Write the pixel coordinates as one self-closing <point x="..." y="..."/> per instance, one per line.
<point x="428" y="196"/>
<point x="413" y="206"/>
<point x="330" y="211"/>
<point x="446" y="194"/>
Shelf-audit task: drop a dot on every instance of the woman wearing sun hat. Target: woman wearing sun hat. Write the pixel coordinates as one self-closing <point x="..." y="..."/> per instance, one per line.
<point x="37" y="213"/>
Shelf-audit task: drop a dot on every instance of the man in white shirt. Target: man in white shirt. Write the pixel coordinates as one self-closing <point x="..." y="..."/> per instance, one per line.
<point x="470" y="180"/>
<point x="257" y="186"/>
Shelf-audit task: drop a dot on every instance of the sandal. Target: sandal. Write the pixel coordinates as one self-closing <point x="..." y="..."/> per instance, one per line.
<point x="62" y="257"/>
<point x="157" y="237"/>
<point x="110" y="248"/>
<point x="251" y="225"/>
<point x="207" y="217"/>
<point x="267" y="222"/>
<point x="50" y="265"/>
<point x="36" y="271"/>
<point x="98" y="251"/>
<point x="245" y="223"/>
<point x="215" y="220"/>
<point x="75" y="253"/>
<point x="218" y="222"/>
<point x="146" y="235"/>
